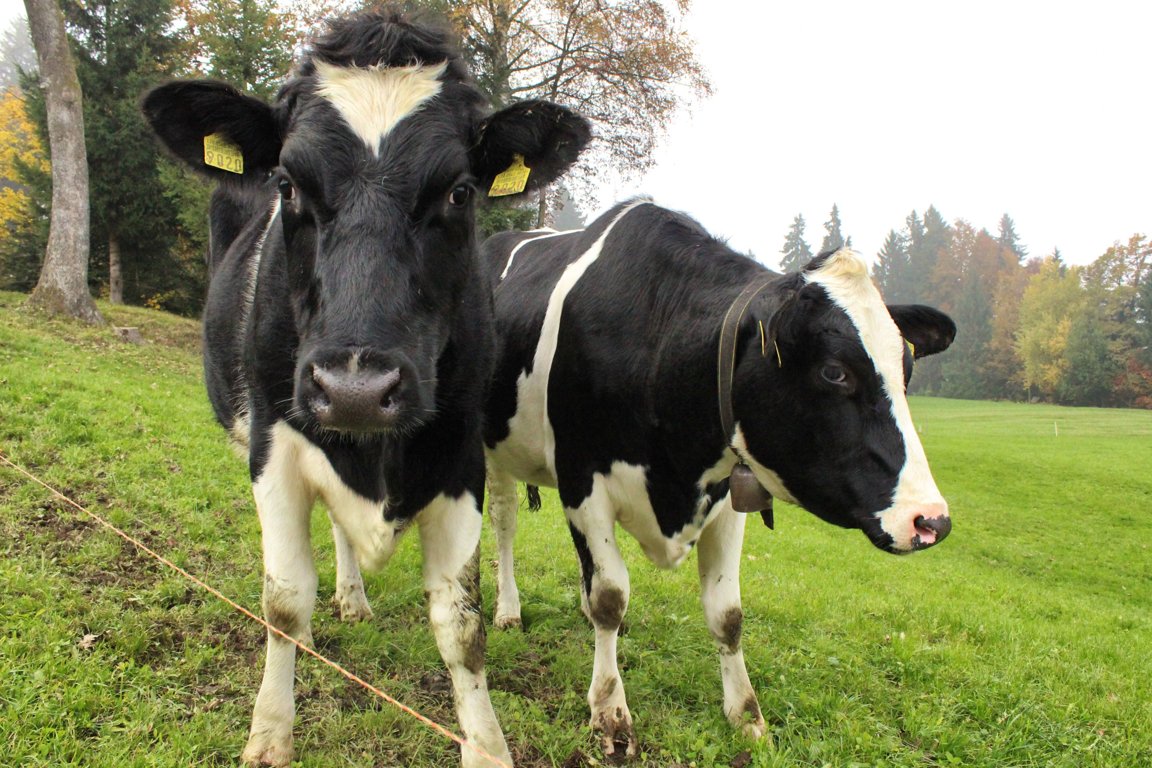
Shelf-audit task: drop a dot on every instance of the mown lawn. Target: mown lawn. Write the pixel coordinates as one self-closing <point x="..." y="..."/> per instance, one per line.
<point x="1024" y="640"/>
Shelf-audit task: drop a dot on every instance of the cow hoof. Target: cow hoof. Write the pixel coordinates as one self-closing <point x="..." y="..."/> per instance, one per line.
<point x="262" y="751"/>
<point x="617" y="738"/>
<point x="472" y="759"/>
<point x="352" y="605"/>
<point x="756" y="731"/>
<point x="748" y="719"/>
<point x="507" y="622"/>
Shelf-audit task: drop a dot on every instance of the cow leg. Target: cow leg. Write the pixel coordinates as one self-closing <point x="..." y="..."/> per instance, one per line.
<point x="502" y="508"/>
<point x="605" y="589"/>
<point x="450" y="539"/>
<point x="284" y="503"/>
<point x="349" y="596"/>
<point x="718" y="556"/>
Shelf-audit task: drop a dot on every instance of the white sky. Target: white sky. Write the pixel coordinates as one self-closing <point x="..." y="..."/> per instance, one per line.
<point x="1036" y="109"/>
<point x="1042" y="110"/>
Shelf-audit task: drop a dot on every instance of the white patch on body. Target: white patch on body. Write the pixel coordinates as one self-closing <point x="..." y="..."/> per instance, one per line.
<point x="547" y="233"/>
<point x="844" y="276"/>
<point x="626" y="488"/>
<point x="372" y="100"/>
<point x="529" y="452"/>
<point x="370" y="536"/>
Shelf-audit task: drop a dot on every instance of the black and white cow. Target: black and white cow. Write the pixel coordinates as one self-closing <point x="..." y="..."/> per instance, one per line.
<point x="608" y="386"/>
<point x="348" y="330"/>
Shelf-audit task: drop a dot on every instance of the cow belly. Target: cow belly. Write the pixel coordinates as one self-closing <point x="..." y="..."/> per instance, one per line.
<point x="373" y="538"/>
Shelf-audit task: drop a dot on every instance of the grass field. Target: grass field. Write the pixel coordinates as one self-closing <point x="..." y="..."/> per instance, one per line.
<point x="1024" y="640"/>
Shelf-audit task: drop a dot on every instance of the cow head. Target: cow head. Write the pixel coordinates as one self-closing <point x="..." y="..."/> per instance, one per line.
<point x="819" y="398"/>
<point x="372" y="158"/>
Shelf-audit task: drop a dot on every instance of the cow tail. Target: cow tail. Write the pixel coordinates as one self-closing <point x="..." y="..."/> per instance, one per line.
<point x="533" y="492"/>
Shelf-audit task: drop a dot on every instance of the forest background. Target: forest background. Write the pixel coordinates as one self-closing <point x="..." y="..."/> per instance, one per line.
<point x="1031" y="327"/>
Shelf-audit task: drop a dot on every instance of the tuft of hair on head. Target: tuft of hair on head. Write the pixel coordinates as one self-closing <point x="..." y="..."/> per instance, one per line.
<point x="387" y="36"/>
<point x="844" y="263"/>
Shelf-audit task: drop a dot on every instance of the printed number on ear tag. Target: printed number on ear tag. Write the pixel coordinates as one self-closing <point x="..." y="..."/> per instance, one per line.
<point x="512" y="180"/>
<point x="220" y="152"/>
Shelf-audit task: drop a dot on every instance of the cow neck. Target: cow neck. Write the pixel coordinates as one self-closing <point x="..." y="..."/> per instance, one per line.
<point x="745" y="491"/>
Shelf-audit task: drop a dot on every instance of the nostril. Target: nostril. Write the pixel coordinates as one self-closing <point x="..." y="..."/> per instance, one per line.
<point x="389" y="388"/>
<point x="932" y="530"/>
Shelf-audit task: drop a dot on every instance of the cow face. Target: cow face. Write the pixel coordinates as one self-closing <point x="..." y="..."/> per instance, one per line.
<point x="375" y="152"/>
<point x="821" y="406"/>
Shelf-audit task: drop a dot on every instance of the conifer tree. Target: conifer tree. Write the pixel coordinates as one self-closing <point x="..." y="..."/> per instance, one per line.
<point x="833" y="238"/>
<point x="1009" y="239"/>
<point x="796" y="251"/>
<point x="891" y="268"/>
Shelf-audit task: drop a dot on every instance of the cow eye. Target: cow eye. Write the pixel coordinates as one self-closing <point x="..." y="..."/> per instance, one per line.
<point x="834" y="374"/>
<point x="287" y="189"/>
<point x="460" y="195"/>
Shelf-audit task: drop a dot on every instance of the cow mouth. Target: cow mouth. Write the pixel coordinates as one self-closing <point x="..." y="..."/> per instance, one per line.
<point x="925" y="532"/>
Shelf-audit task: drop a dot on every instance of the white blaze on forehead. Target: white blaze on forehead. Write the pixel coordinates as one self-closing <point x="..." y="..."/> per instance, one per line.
<point x="844" y="276"/>
<point x="373" y="100"/>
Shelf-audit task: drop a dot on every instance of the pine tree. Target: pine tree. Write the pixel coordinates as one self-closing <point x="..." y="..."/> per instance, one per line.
<point x="1090" y="370"/>
<point x="927" y="238"/>
<point x="833" y="239"/>
<point x="1009" y="239"/>
<point x="964" y="369"/>
<point x="796" y="251"/>
<point x="891" y="268"/>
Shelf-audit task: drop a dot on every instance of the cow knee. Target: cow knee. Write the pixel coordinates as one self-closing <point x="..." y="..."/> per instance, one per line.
<point x="288" y="607"/>
<point x="726" y="628"/>
<point x="607" y="605"/>
<point x="454" y="614"/>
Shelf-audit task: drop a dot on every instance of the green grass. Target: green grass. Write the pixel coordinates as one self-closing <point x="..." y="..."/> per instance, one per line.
<point x="1024" y="640"/>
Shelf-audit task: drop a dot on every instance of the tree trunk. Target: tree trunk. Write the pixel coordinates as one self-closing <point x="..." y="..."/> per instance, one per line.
<point x="115" y="273"/>
<point x="63" y="285"/>
<point x="543" y="217"/>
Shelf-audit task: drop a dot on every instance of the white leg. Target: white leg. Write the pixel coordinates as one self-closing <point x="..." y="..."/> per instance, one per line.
<point x="502" y="508"/>
<point x="450" y="539"/>
<point x="285" y="503"/>
<point x="349" y="596"/>
<point x="718" y="556"/>
<point x="605" y="585"/>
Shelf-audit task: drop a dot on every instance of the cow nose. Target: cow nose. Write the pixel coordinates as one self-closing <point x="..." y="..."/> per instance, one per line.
<point x="932" y="526"/>
<point x="363" y="401"/>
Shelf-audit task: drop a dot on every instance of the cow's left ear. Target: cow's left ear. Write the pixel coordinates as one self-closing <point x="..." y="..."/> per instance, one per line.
<point x="928" y="330"/>
<point x="547" y="136"/>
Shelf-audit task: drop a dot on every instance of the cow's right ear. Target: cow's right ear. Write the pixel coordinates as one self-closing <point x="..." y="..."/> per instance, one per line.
<point x="209" y="124"/>
<point x="545" y="136"/>
<point x="928" y="330"/>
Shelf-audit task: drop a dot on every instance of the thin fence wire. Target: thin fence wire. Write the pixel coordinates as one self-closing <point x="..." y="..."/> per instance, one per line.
<point x="431" y="724"/>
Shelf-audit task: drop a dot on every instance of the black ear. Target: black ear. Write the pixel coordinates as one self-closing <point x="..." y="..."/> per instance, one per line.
<point x="928" y="330"/>
<point x="548" y="136"/>
<point x="184" y="112"/>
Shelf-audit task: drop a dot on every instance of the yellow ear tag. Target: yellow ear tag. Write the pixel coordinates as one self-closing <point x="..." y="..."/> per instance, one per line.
<point x="220" y="152"/>
<point x="911" y="347"/>
<point x="512" y="180"/>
